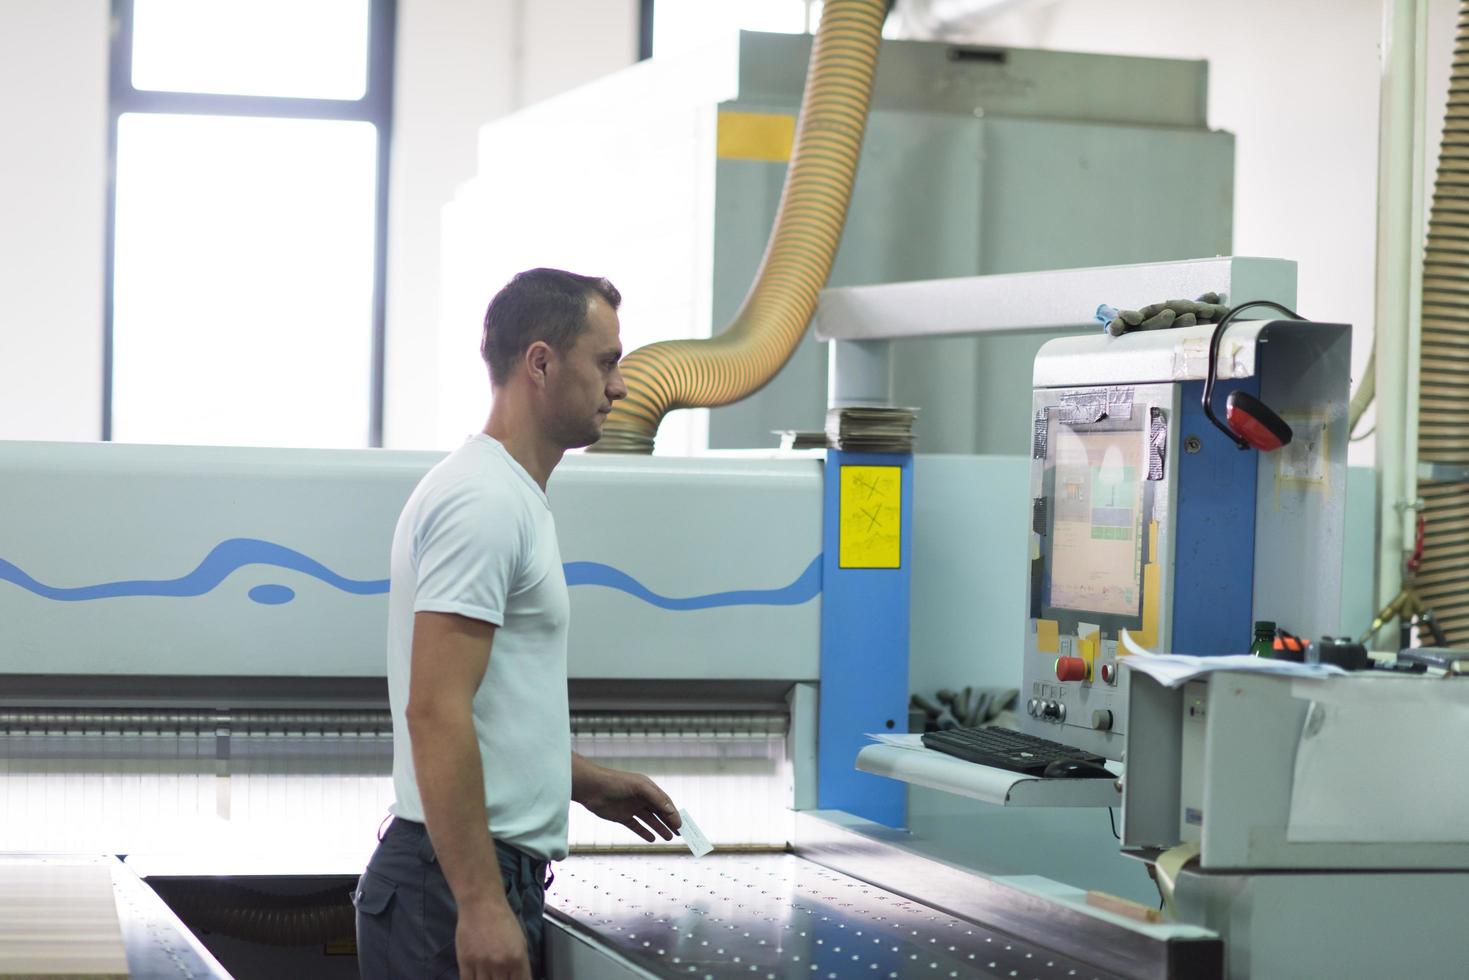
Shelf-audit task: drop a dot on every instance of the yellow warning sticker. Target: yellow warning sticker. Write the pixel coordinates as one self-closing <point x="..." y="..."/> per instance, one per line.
<point x="1147" y="637"/>
<point x="763" y="136"/>
<point x="870" y="516"/>
<point x="1088" y="644"/>
<point x="1047" y="636"/>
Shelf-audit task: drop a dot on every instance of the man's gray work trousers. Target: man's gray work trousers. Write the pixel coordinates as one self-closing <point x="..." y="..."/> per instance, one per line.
<point x="406" y="914"/>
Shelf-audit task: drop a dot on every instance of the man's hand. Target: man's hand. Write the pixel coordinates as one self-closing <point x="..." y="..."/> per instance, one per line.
<point x="490" y="943"/>
<point x="625" y="798"/>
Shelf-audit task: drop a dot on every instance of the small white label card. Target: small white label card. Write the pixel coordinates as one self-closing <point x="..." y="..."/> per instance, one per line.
<point x="693" y="836"/>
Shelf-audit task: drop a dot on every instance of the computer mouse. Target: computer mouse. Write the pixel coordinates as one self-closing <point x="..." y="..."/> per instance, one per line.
<point x="1077" y="769"/>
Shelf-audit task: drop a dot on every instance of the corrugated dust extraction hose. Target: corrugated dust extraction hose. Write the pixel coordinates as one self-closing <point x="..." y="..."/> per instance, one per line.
<point x="1443" y="412"/>
<point x="744" y="357"/>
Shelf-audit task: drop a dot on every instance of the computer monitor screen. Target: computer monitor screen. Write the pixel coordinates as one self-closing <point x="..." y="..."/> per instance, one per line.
<point x="1096" y="532"/>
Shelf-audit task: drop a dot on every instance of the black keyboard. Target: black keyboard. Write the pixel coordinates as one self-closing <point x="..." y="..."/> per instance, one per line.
<point x="1004" y="748"/>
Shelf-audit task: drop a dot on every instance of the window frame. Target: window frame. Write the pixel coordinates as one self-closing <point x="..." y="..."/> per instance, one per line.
<point x="375" y="107"/>
<point x="645" y="29"/>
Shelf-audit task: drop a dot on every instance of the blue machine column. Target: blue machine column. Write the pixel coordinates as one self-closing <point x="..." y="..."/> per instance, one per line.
<point x="867" y="548"/>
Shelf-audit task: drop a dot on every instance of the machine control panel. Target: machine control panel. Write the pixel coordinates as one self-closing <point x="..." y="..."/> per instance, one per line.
<point x="1099" y="519"/>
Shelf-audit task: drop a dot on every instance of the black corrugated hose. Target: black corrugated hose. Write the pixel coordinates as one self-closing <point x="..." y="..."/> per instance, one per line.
<point x="230" y="909"/>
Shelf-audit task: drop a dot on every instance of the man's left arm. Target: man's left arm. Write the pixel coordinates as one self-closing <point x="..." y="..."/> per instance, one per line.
<point x="628" y="798"/>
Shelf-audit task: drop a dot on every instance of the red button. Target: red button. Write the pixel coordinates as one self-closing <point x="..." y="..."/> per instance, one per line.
<point x="1070" y="669"/>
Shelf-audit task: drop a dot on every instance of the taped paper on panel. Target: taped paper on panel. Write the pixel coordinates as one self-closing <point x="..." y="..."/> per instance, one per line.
<point x="1157" y="443"/>
<point x="1084" y="408"/>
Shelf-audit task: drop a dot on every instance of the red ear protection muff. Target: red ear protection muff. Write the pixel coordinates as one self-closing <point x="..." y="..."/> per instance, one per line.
<point x="1249" y="422"/>
<point x="1252" y="420"/>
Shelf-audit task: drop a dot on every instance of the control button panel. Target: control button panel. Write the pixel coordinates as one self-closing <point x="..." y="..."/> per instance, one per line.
<point x="1046" y="709"/>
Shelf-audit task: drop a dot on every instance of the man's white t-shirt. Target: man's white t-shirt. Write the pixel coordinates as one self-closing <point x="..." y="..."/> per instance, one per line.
<point x="477" y="539"/>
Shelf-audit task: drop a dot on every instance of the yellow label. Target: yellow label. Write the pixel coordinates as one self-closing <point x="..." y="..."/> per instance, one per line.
<point x="870" y="528"/>
<point x="1088" y="647"/>
<point x="1047" y="636"/>
<point x="763" y="136"/>
<point x="1147" y="637"/>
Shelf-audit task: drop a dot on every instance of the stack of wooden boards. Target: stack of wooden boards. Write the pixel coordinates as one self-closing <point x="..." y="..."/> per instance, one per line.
<point x="58" y="918"/>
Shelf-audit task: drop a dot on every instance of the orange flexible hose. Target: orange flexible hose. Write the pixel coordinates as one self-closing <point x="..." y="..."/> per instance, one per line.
<point x="744" y="357"/>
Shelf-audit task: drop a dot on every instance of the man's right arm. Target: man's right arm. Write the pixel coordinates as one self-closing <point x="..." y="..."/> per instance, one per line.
<point x="450" y="656"/>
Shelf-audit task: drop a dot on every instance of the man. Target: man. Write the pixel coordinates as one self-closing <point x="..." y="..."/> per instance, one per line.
<point x="483" y="770"/>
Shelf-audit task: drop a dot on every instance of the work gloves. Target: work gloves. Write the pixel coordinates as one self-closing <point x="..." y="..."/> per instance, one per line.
<point x="1174" y="313"/>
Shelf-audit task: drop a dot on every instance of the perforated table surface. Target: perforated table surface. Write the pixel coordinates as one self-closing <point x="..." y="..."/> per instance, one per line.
<point x="778" y="917"/>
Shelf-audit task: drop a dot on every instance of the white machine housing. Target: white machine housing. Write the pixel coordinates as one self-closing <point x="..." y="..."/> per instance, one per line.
<point x="210" y="621"/>
<point x="1287" y="807"/>
<point x="117" y="567"/>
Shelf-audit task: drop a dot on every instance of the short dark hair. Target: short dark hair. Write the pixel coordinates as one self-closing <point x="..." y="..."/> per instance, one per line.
<point x="538" y="304"/>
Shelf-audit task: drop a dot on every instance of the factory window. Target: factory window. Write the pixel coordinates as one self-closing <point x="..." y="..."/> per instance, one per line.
<point x="247" y="221"/>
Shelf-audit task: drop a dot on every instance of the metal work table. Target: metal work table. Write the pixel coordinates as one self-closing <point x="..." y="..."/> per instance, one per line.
<point x="851" y="900"/>
<point x="769" y="916"/>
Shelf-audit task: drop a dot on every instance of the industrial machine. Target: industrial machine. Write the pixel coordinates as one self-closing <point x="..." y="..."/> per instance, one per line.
<point x="193" y="663"/>
<point x="193" y="678"/>
<point x="1270" y="807"/>
<point x="192" y="660"/>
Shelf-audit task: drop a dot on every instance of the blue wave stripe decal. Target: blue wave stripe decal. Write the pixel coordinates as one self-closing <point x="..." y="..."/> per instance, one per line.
<point x="218" y="565"/>
<point x="805" y="588"/>
<point x="234" y="554"/>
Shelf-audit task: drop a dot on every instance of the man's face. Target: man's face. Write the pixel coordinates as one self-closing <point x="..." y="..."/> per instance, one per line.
<point x="585" y="381"/>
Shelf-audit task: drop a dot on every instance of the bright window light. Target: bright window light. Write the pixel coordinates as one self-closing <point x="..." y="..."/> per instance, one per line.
<point x="314" y="49"/>
<point x="243" y="280"/>
<point x="683" y="25"/>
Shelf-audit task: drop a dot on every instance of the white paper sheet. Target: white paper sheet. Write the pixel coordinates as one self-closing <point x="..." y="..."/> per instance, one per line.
<point x="1176" y="669"/>
<point x="902" y="741"/>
